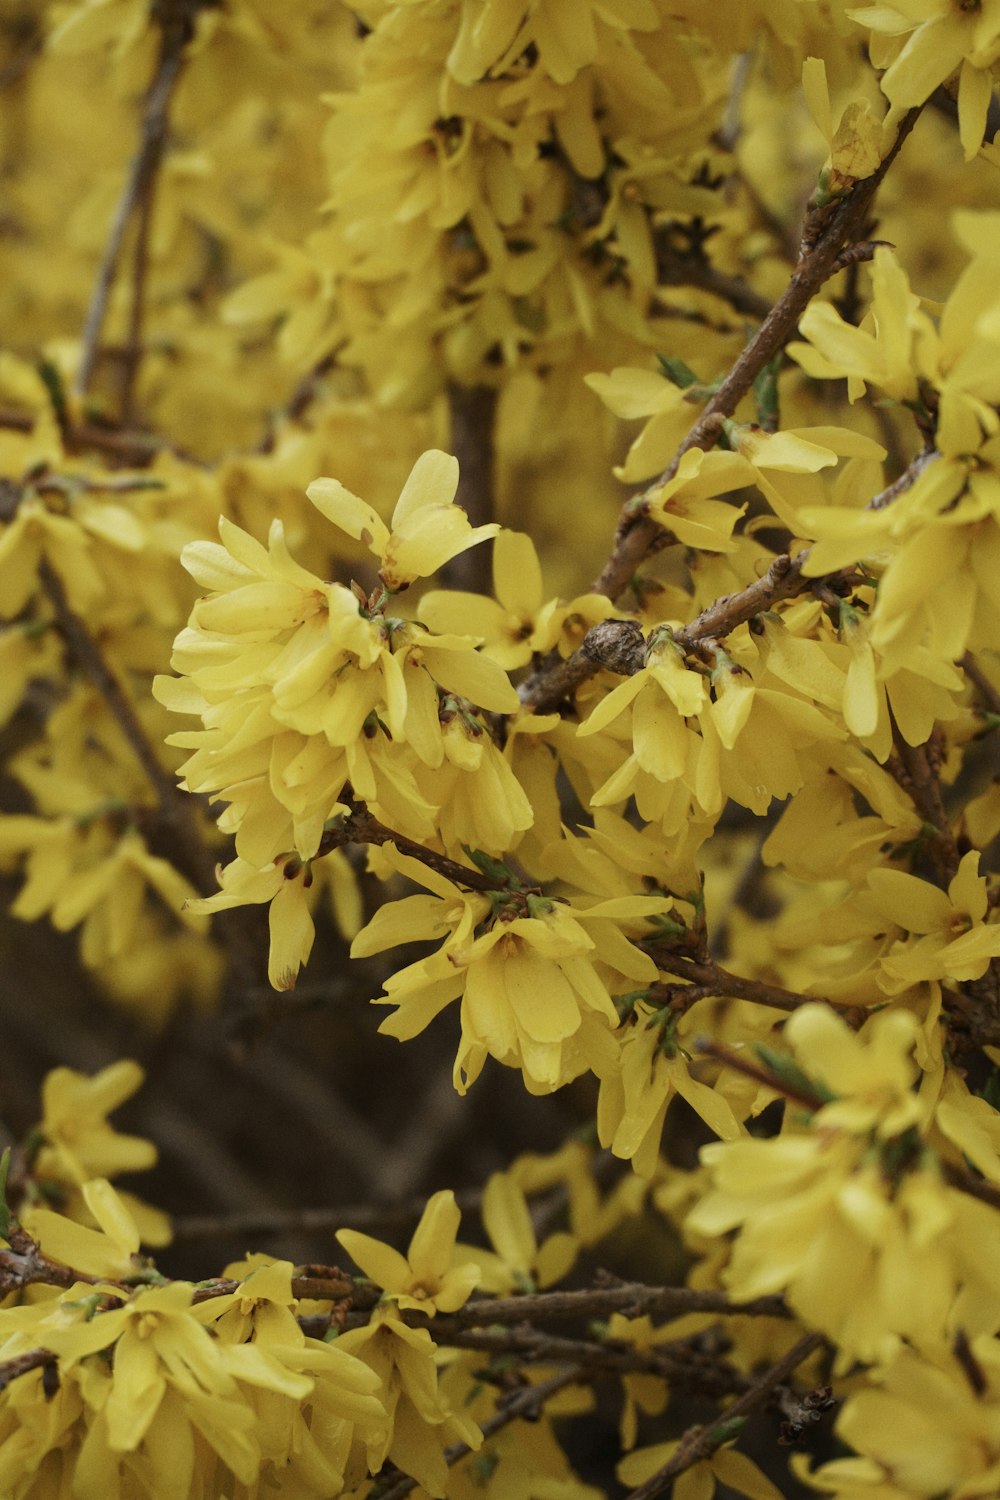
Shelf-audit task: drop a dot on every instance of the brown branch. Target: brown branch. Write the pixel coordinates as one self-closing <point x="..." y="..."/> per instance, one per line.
<point x="631" y="1298"/>
<point x="554" y="683"/>
<point x="366" y="1216"/>
<point x="330" y="1284"/>
<point x="362" y="827"/>
<point x="976" y="1187"/>
<point x="989" y="693"/>
<point x="908" y="477"/>
<point x="675" y="268"/>
<point x="472" y="410"/>
<point x="770" y="1080"/>
<point x="174" y="807"/>
<point x="783" y="580"/>
<point x="710" y="979"/>
<point x="916" y="768"/>
<point x="132" y="353"/>
<point x="675" y="1361"/>
<point x="701" y="1442"/>
<point x="828" y="231"/>
<point x="23" y="1264"/>
<point x="177" y="30"/>
<point x="23" y="1364"/>
<point x="130" y="445"/>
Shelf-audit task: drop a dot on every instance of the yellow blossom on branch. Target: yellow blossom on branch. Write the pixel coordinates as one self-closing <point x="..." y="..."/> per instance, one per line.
<point x="429" y="1278"/>
<point x="427" y="528"/>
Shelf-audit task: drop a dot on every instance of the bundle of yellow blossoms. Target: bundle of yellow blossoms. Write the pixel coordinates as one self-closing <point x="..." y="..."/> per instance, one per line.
<point x="683" y="801"/>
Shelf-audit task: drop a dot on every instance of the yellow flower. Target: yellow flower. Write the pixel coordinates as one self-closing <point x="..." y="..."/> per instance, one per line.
<point x="725" y="1465"/>
<point x="882" y="351"/>
<point x="941" y="35"/>
<point x="105" y="1251"/>
<point x="429" y="1278"/>
<point x="517" y="1262"/>
<point x="952" y="940"/>
<point x="284" y="885"/>
<point x="512" y="624"/>
<point x="529" y="947"/>
<point x="427" y="528"/>
<point x="684" y="505"/>
<point x="856" y="143"/>
<point x="421" y="1423"/>
<point x="632" y="393"/>
<point x="654" y="1069"/>
<point x="847" y="1212"/>
<point x="924" y="1427"/>
<point x="79" y="1143"/>
<point x="481" y="803"/>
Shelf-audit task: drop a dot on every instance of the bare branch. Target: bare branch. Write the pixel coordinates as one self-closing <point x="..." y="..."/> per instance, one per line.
<point x="362" y="827"/>
<point x="984" y="687"/>
<point x="174" y="806"/>
<point x="139" y="184"/>
<point x="828" y="231"/>
<point x="554" y="683"/>
<point x="23" y="1364"/>
<point x="701" y="1442"/>
<point x="473" y="424"/>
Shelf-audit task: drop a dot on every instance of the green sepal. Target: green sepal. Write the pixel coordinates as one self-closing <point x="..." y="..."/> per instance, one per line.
<point x="676" y="371"/>
<point x="788" y="1072"/>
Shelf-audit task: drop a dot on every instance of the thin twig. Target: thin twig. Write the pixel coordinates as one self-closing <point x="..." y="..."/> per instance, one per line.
<point x="916" y="768"/>
<point x="631" y="1298"/>
<point x="828" y="232"/>
<point x="138" y="184"/>
<point x="675" y="1361"/>
<point x="472" y="410"/>
<point x="783" y="580"/>
<point x="770" y="1080"/>
<point x="362" y="827"/>
<point x="701" y="1442"/>
<point x="976" y="1187"/>
<point x="989" y="693"/>
<point x="712" y="979"/>
<point x="554" y="683"/>
<point x="908" y="477"/>
<point x="674" y="268"/>
<point x="175" y="808"/>
<point x="826" y="235"/>
<point x="366" y="1216"/>
<point x="23" y="1364"/>
<point x="132" y="353"/>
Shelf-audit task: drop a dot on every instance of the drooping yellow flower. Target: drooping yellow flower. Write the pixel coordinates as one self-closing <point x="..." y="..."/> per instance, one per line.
<point x="422" y="1424"/>
<point x="530" y="973"/>
<point x="847" y="1212"/>
<point x="940" y="36"/>
<point x="697" y="1482"/>
<point x="652" y="1070"/>
<point x="882" y="351"/>
<point x="949" y="936"/>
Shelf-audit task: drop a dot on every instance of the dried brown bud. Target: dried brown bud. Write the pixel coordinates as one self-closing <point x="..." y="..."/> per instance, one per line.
<point x="618" y="645"/>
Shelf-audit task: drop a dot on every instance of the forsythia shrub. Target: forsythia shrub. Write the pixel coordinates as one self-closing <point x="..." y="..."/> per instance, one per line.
<point x="320" y="323"/>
